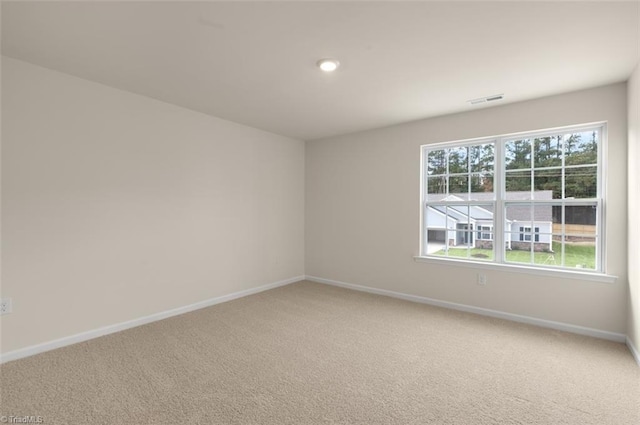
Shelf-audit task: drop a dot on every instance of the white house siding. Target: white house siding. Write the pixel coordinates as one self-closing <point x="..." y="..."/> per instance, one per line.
<point x="544" y="235"/>
<point x="448" y="228"/>
<point x="436" y="220"/>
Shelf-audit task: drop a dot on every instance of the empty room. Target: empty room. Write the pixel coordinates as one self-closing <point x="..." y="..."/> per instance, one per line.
<point x="320" y="212"/>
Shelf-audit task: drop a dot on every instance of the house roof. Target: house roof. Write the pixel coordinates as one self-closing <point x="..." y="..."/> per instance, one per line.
<point x="485" y="212"/>
<point x="460" y="212"/>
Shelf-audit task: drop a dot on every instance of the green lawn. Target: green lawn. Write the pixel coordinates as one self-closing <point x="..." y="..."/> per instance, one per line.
<point x="575" y="255"/>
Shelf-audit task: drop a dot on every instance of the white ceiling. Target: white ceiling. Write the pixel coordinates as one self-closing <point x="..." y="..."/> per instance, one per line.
<point x="254" y="63"/>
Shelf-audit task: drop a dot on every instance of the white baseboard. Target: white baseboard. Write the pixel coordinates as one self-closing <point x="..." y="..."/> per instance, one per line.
<point x="634" y="351"/>
<point x="611" y="336"/>
<point x="106" y="330"/>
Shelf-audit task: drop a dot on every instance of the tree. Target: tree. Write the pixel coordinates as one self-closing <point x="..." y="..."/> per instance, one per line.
<point x="518" y="154"/>
<point x="548" y="153"/>
<point x="471" y="168"/>
<point x="437" y="167"/>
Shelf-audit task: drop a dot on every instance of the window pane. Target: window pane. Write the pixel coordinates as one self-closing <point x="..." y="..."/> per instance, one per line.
<point x="436" y="185"/>
<point x="436" y="217"/>
<point x="581" y="182"/>
<point x="455" y="244"/>
<point x="482" y="158"/>
<point x="436" y="240"/>
<point x="458" y="160"/>
<point x="581" y="148"/>
<point x="518" y="154"/>
<point x="580" y="252"/>
<point x="480" y="214"/>
<point x="550" y="258"/>
<point x="548" y="184"/>
<point x="580" y="219"/>
<point x="517" y="216"/>
<point x="518" y="181"/>
<point x="556" y="218"/>
<point x="482" y="183"/>
<point x="436" y="162"/>
<point x="547" y="151"/>
<point x="463" y="240"/>
<point x="517" y="248"/>
<point x="556" y="246"/>
<point x="529" y="223"/>
<point x="459" y="184"/>
<point x="543" y="218"/>
<point x="459" y="215"/>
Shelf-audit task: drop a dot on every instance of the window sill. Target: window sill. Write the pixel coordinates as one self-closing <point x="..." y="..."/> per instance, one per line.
<point x="566" y="274"/>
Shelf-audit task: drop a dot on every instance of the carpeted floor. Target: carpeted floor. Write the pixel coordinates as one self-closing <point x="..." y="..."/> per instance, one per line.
<point x="314" y="354"/>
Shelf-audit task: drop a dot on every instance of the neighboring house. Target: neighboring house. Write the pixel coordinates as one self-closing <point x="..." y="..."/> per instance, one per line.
<point x="473" y="226"/>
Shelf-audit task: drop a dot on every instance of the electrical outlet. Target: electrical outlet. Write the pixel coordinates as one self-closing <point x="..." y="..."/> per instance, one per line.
<point x="5" y="306"/>
<point x="482" y="279"/>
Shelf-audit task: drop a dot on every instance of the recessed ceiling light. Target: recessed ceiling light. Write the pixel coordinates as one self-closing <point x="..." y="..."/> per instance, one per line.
<point x="328" y="65"/>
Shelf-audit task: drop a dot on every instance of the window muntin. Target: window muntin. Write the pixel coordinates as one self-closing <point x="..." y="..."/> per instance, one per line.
<point x="547" y="195"/>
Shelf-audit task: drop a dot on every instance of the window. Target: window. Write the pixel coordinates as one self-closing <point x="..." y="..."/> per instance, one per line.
<point x="525" y="234"/>
<point x="533" y="199"/>
<point x="484" y="233"/>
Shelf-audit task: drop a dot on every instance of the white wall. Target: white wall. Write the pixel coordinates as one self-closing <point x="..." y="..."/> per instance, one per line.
<point x="633" y="321"/>
<point x="362" y="212"/>
<point x="117" y="206"/>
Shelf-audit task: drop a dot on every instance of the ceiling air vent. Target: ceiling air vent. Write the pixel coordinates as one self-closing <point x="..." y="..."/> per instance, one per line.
<point x="486" y="99"/>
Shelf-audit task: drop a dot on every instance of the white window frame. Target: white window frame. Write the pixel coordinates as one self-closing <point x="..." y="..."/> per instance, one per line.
<point x="500" y="202"/>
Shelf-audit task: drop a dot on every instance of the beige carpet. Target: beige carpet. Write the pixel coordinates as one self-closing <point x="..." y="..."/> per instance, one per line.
<point x="314" y="354"/>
